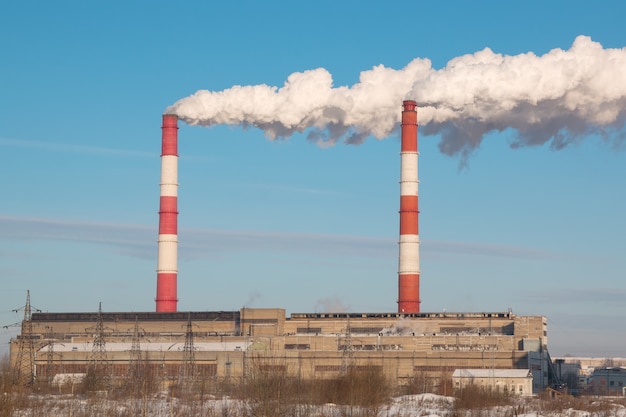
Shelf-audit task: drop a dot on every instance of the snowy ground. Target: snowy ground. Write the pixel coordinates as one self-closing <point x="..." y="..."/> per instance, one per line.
<point x="422" y="405"/>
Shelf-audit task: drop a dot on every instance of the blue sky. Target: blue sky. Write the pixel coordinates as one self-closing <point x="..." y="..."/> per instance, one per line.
<point x="288" y="223"/>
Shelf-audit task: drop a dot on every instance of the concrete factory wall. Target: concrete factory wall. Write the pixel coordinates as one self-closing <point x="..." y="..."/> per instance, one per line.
<point x="226" y="344"/>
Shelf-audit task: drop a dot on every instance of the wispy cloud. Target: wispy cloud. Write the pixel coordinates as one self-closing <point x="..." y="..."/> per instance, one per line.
<point x="283" y="188"/>
<point x="133" y="240"/>
<point x="490" y="249"/>
<point x="140" y="240"/>
<point x="268" y="241"/>
<point x="72" y="148"/>
<point x="197" y="243"/>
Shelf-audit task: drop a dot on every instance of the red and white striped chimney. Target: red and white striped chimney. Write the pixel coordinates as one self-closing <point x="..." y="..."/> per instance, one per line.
<point x="409" y="257"/>
<point x="167" y="265"/>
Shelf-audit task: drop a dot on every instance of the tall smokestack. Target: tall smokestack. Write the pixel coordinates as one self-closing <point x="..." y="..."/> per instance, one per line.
<point x="409" y="258"/>
<point x="167" y="265"/>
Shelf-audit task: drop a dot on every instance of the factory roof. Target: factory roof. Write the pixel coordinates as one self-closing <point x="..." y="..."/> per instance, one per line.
<point x="141" y="316"/>
<point x="150" y="346"/>
<point x="492" y="373"/>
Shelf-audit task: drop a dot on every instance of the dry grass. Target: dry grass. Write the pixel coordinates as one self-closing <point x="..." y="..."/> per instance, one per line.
<point x="269" y="390"/>
<point x="595" y="406"/>
<point x="420" y="383"/>
<point x="473" y="397"/>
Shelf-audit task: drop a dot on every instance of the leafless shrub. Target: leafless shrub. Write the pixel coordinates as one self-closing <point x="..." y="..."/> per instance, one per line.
<point x="361" y="391"/>
<point x="365" y="387"/>
<point x="596" y="406"/>
<point x="96" y="381"/>
<point x="620" y="401"/>
<point x="6" y="388"/>
<point x="474" y="397"/>
<point x="267" y="388"/>
<point x="13" y="398"/>
<point x="141" y="381"/>
<point x="419" y="383"/>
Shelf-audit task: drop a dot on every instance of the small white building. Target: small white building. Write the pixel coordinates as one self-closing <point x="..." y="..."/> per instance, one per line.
<point x="513" y="381"/>
<point x="68" y="379"/>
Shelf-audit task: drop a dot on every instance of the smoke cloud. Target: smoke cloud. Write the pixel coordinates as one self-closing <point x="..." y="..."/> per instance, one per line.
<point x="555" y="98"/>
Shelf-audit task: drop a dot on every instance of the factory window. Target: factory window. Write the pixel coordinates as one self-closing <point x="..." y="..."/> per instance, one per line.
<point x="327" y="368"/>
<point x="366" y="330"/>
<point x="260" y="321"/>
<point x="309" y="330"/>
<point x="426" y="368"/>
<point x="272" y="368"/>
<point x="297" y="346"/>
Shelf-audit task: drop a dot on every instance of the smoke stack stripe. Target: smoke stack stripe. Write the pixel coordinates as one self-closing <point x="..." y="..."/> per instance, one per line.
<point x="408" y="260"/>
<point x="167" y="265"/>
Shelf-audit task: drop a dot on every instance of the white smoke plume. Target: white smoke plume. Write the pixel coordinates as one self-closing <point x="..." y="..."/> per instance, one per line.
<point x="404" y="327"/>
<point x="331" y="305"/>
<point x="558" y="98"/>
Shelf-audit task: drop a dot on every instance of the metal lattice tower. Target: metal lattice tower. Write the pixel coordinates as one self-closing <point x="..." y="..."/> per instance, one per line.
<point x="347" y="359"/>
<point x="163" y="374"/>
<point x="98" y="351"/>
<point x="49" y="361"/>
<point x="50" y="355"/>
<point x="98" y="361"/>
<point x="24" y="368"/>
<point x="135" y="359"/>
<point x="188" y="368"/>
<point x="135" y="349"/>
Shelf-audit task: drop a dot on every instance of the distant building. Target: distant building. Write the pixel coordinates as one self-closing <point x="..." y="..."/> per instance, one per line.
<point x="608" y="380"/>
<point x="590" y="375"/>
<point x="512" y="381"/>
<point x="571" y="375"/>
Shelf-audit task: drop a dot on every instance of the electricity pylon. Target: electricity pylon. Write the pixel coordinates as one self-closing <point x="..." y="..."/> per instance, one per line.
<point x="98" y="361"/>
<point x="188" y="368"/>
<point x="24" y="367"/>
<point x="347" y="359"/>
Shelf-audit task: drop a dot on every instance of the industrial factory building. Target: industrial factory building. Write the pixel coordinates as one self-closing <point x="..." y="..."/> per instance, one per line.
<point x="309" y="345"/>
<point x="403" y="345"/>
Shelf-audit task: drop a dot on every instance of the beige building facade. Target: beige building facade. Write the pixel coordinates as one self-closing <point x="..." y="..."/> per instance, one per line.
<point x="310" y="345"/>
